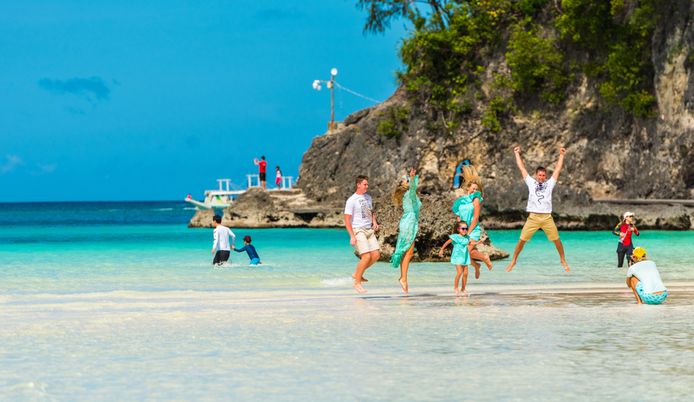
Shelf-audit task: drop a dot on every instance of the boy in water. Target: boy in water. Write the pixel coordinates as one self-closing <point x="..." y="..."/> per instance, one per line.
<point x="220" y="247"/>
<point x="644" y="279"/>
<point x="250" y="250"/>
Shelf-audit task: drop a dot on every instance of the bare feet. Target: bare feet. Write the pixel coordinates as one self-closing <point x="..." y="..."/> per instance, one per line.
<point x="510" y="266"/>
<point x="565" y="265"/>
<point x="362" y="278"/>
<point x="477" y="271"/>
<point x="475" y="264"/>
<point x="488" y="263"/>
<point x="457" y="292"/>
<point x="403" y="285"/>
<point x="359" y="288"/>
<point x="464" y="293"/>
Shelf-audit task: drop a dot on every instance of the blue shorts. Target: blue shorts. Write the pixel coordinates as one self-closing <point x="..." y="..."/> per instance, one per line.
<point x="650" y="298"/>
<point x="255" y="261"/>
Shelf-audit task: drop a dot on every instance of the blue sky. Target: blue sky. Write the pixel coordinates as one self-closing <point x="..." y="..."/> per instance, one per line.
<point x="126" y="100"/>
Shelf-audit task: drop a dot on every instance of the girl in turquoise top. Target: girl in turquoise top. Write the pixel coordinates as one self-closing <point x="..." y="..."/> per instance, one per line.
<point x="460" y="257"/>
<point x="406" y="195"/>
<point x="467" y="208"/>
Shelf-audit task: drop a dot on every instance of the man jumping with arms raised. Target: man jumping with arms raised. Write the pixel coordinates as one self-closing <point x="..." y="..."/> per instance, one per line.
<point x="539" y="207"/>
<point x="360" y="222"/>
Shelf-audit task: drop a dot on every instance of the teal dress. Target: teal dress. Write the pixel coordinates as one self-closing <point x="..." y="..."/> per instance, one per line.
<point x="460" y="254"/>
<point x="465" y="209"/>
<point x="409" y="223"/>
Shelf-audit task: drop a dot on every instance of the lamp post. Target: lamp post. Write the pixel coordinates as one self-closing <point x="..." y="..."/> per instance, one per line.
<point x="331" y="86"/>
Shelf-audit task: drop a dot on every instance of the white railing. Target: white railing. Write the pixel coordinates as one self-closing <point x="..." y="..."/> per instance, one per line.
<point x="254" y="181"/>
<point x="225" y="181"/>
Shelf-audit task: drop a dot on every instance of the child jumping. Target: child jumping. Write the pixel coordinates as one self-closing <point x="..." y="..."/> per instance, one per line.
<point x="250" y="250"/>
<point x="460" y="257"/>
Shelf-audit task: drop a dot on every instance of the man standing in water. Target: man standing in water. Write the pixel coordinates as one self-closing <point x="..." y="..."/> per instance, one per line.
<point x="539" y="207"/>
<point x="220" y="247"/>
<point x="361" y="224"/>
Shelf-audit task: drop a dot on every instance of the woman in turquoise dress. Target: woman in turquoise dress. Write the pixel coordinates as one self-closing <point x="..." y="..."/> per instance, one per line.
<point x="406" y="195"/>
<point x="467" y="208"/>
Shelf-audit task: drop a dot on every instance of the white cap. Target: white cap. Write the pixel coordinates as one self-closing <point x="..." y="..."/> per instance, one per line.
<point x="628" y="214"/>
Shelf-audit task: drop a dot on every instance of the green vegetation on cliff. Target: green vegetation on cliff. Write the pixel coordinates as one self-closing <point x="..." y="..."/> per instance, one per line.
<point x="507" y="53"/>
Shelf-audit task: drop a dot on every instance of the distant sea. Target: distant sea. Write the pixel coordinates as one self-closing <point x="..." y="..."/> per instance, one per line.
<point x="119" y="301"/>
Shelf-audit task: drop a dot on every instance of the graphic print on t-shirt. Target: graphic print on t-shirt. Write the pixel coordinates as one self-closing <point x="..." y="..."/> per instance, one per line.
<point x="540" y="192"/>
<point x="365" y="209"/>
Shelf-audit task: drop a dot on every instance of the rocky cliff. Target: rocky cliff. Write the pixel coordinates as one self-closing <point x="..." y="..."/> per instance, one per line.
<point x="611" y="154"/>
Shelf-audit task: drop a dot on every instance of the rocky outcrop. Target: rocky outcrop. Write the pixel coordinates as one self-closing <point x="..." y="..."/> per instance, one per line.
<point x="435" y="225"/>
<point x="257" y="208"/>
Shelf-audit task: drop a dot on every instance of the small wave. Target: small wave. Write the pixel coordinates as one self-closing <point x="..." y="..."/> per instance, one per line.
<point x="162" y="209"/>
<point x="189" y="208"/>
<point x="336" y="282"/>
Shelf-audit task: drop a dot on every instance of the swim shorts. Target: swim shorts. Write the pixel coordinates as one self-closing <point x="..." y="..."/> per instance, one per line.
<point x="366" y="240"/>
<point x="539" y="221"/>
<point x="650" y="298"/>
<point x="255" y="261"/>
<point x="221" y="257"/>
<point x="262" y="176"/>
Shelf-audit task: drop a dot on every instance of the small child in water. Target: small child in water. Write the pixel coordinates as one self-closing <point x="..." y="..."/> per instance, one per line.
<point x="460" y="257"/>
<point x="250" y="250"/>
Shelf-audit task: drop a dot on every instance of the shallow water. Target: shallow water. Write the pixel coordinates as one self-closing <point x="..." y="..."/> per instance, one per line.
<point x="106" y="309"/>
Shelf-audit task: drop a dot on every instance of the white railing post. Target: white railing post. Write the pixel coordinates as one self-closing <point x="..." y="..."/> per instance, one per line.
<point x="287" y="182"/>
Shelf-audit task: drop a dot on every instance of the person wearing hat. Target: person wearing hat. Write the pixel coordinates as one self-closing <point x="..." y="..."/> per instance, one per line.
<point x="644" y="279"/>
<point x="624" y="230"/>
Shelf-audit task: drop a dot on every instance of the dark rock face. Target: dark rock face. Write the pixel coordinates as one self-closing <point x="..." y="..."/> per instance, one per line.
<point x="435" y="224"/>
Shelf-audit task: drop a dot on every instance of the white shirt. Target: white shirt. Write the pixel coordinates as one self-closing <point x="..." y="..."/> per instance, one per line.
<point x="540" y="195"/>
<point x="360" y="207"/>
<point x="221" y="238"/>
<point x="647" y="273"/>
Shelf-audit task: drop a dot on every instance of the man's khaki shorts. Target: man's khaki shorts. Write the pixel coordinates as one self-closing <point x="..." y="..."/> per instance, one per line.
<point x="539" y="221"/>
<point x="366" y="240"/>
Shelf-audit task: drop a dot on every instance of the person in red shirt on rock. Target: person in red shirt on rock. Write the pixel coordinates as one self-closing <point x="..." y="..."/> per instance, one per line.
<point x="262" y="170"/>
<point x="624" y="230"/>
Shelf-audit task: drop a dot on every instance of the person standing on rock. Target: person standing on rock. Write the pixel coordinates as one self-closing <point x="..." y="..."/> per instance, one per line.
<point x="360" y="222"/>
<point x="539" y="207"/>
<point x="406" y="195"/>
<point x="468" y="208"/>
<point x="262" y="170"/>
<point x="278" y="177"/>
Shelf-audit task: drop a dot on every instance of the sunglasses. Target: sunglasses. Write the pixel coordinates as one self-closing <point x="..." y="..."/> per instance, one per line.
<point x="462" y="228"/>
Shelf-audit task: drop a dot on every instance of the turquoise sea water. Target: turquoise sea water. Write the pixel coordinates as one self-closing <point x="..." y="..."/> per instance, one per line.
<point x="119" y="301"/>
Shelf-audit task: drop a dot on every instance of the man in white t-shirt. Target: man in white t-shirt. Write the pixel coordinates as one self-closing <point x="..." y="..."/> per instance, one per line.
<point x="539" y="207"/>
<point x="644" y="279"/>
<point x="220" y="245"/>
<point x="361" y="224"/>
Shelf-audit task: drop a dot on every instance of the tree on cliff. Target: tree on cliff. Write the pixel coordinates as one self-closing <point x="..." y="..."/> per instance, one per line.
<point x="381" y="12"/>
<point x="544" y="48"/>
